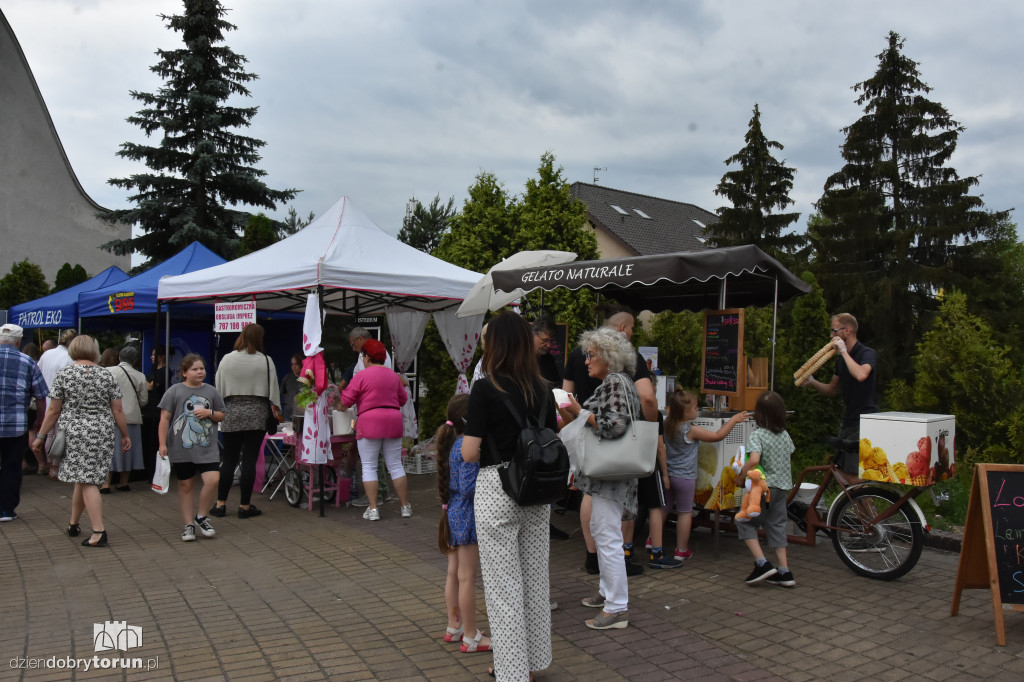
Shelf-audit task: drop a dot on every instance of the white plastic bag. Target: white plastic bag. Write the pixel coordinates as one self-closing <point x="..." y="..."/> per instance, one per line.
<point x="162" y="475"/>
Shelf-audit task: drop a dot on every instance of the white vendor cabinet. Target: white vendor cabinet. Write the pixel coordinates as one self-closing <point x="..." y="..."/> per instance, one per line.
<point x="907" y="447"/>
<point x="715" y="458"/>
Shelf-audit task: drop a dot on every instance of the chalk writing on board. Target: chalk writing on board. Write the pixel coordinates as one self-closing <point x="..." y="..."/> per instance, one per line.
<point x="1006" y="497"/>
<point x="723" y="344"/>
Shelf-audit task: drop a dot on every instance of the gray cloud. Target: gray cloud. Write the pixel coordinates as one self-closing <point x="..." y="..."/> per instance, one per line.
<point x="381" y="101"/>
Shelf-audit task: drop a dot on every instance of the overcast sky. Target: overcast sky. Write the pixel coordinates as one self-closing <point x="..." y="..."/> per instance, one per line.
<point x="383" y="100"/>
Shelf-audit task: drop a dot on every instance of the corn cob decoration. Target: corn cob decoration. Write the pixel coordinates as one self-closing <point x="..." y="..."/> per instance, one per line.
<point x="814" y="364"/>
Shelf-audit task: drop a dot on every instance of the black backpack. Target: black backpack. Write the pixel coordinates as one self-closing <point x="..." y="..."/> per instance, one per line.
<point x="538" y="472"/>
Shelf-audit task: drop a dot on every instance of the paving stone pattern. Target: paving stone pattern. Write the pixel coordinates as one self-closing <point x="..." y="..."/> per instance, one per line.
<point x="293" y="596"/>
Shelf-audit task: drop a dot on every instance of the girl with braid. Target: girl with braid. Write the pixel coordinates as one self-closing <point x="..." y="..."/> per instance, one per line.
<point x="456" y="533"/>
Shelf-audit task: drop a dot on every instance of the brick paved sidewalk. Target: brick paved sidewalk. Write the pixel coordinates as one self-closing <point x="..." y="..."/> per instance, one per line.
<point x="290" y="595"/>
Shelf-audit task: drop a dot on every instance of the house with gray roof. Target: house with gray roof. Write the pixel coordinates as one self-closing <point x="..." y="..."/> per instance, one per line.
<point x="630" y="224"/>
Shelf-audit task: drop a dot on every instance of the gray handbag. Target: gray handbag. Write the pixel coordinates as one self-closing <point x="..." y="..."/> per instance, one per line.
<point x="634" y="454"/>
<point x="57" y="447"/>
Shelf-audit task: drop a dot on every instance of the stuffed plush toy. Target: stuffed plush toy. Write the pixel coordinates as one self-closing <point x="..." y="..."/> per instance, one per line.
<point x="314" y="373"/>
<point x="756" y="486"/>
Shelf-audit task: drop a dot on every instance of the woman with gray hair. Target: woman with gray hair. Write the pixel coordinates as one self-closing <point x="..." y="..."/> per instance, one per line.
<point x="611" y="359"/>
<point x="134" y="397"/>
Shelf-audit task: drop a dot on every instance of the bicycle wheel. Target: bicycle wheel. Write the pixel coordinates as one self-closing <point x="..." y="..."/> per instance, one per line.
<point x="330" y="480"/>
<point x="293" y="487"/>
<point x="884" y="551"/>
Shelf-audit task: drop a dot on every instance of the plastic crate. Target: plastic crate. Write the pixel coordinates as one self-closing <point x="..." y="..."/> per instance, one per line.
<point x="417" y="463"/>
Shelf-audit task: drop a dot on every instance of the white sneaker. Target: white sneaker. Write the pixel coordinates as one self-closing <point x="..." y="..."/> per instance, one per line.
<point x="189" y="534"/>
<point x="203" y="524"/>
<point x="406" y="511"/>
<point x="372" y="514"/>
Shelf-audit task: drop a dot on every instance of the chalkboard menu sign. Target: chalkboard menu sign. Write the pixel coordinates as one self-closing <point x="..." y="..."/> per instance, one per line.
<point x="723" y="352"/>
<point x="992" y="552"/>
<point x="1006" y="497"/>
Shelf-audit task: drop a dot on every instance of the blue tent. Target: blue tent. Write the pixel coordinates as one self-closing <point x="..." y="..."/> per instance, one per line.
<point x="60" y="309"/>
<point x="137" y="295"/>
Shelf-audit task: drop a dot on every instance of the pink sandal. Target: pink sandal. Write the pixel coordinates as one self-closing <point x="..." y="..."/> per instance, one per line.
<point x="454" y="634"/>
<point x="473" y="645"/>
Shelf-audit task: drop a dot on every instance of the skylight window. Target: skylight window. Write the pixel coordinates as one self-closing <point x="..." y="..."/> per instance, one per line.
<point x="699" y="223"/>
<point x="642" y="214"/>
<point x="619" y="209"/>
<point x="701" y="239"/>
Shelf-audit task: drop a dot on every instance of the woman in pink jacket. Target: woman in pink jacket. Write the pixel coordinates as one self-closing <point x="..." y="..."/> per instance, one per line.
<point x="379" y="394"/>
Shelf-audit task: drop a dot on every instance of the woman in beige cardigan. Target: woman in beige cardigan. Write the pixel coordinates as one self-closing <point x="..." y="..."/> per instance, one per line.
<point x="246" y="378"/>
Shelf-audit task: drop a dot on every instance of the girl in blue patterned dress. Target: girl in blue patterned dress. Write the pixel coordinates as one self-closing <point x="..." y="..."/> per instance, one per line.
<point x="456" y="533"/>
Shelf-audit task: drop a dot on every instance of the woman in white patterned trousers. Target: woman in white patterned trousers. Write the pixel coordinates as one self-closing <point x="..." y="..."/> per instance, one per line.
<point x="514" y="541"/>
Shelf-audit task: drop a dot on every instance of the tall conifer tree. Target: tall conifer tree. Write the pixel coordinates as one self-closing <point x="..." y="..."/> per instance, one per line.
<point x="424" y="226"/>
<point x="757" y="190"/>
<point x="896" y="218"/>
<point x="201" y="167"/>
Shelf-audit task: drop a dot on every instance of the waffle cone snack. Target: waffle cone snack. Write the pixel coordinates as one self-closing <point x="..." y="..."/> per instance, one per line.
<point x="814" y="364"/>
<point x="887" y="472"/>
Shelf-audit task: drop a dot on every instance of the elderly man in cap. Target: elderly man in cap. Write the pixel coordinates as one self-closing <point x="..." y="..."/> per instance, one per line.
<point x="20" y="381"/>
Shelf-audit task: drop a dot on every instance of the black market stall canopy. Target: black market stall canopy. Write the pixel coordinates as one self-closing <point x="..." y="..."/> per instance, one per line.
<point x="736" y="276"/>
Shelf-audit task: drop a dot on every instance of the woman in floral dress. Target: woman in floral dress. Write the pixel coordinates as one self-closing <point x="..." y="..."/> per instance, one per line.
<point x="87" y="400"/>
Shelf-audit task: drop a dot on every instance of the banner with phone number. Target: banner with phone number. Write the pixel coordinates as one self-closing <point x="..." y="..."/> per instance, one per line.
<point x="121" y="302"/>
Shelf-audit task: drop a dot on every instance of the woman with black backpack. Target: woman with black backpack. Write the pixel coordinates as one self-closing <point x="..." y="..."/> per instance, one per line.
<point x="513" y="540"/>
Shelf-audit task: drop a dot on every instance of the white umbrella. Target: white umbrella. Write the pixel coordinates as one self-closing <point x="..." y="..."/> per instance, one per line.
<point x="481" y="297"/>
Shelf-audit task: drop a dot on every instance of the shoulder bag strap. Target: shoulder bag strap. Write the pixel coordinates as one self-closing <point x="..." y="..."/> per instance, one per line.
<point x="629" y="397"/>
<point x="134" y="387"/>
<point x="515" y="414"/>
<point x="543" y="405"/>
<point x="267" y="361"/>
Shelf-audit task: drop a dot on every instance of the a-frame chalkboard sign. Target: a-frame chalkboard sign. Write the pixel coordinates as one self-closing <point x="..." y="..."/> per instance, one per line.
<point x="992" y="552"/>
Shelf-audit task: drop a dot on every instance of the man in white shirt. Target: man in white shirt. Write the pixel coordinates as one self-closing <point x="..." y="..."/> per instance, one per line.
<point x="356" y="338"/>
<point x="53" y="361"/>
<point x="56" y="359"/>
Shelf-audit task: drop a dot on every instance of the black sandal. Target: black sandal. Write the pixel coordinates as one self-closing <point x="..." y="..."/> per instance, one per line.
<point x="74" y="530"/>
<point x="102" y="542"/>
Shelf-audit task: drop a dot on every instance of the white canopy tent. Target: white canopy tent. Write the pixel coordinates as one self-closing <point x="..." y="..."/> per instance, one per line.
<point x="358" y="269"/>
<point x="362" y="269"/>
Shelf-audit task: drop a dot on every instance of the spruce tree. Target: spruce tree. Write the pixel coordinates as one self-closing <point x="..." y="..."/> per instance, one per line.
<point x="896" y="218"/>
<point x="756" y="190"/>
<point x="201" y="168"/>
<point x="293" y="223"/>
<point x="424" y="226"/>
